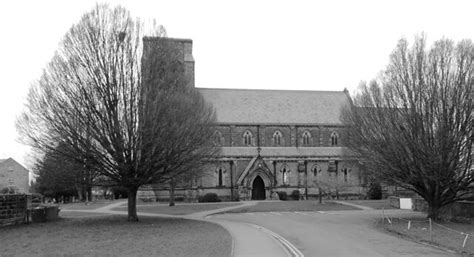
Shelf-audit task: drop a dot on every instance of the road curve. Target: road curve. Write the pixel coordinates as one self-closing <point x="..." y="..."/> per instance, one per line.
<point x="336" y="233"/>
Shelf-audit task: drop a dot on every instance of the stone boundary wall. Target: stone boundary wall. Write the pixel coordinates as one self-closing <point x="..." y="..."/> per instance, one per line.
<point x="463" y="209"/>
<point x="13" y="209"/>
<point x="394" y="201"/>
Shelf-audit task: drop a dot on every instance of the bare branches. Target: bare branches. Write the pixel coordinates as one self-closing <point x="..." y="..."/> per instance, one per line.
<point x="414" y="127"/>
<point x="122" y="105"/>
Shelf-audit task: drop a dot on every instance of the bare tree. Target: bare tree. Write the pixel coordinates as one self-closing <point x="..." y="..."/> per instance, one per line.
<point x="413" y="127"/>
<point x="59" y="175"/>
<point x="131" y="115"/>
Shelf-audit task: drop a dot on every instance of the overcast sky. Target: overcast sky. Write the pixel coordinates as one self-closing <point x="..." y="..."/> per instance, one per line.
<point x="297" y="45"/>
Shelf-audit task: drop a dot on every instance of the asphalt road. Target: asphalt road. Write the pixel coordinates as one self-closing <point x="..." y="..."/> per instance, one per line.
<point x="337" y="233"/>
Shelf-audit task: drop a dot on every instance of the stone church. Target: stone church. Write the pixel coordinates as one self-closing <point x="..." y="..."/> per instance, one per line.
<point x="273" y="141"/>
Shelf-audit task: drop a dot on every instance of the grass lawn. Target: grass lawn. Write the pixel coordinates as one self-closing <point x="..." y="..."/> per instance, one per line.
<point x="376" y="204"/>
<point x="293" y="206"/>
<point x="179" y="209"/>
<point x="442" y="236"/>
<point x="114" y="236"/>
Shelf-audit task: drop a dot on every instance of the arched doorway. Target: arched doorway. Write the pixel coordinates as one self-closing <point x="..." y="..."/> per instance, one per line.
<point x="258" y="189"/>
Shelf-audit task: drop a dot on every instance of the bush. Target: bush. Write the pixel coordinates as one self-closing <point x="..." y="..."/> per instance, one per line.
<point x="119" y="192"/>
<point x="295" y="195"/>
<point x="375" y="191"/>
<point x="209" y="198"/>
<point x="147" y="199"/>
<point x="9" y="190"/>
<point x="282" y="195"/>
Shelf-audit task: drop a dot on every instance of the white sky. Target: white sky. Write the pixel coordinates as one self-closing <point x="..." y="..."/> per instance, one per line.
<point x="311" y="45"/>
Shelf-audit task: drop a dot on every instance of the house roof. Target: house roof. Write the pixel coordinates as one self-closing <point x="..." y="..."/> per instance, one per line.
<point x="287" y="151"/>
<point x="2" y="160"/>
<point x="259" y="106"/>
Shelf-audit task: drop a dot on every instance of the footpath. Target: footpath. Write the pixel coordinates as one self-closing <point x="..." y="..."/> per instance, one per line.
<point x="365" y="208"/>
<point x="248" y="240"/>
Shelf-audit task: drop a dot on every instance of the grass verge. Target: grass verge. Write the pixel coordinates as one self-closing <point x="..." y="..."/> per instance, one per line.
<point x="114" y="236"/>
<point x="442" y="234"/>
<point x="178" y="209"/>
<point x="292" y="206"/>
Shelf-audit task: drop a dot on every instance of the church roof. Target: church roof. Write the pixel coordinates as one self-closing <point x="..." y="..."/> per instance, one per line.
<point x="260" y="106"/>
<point x="287" y="151"/>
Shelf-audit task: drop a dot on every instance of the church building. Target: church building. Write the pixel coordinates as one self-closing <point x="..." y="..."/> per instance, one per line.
<point x="273" y="141"/>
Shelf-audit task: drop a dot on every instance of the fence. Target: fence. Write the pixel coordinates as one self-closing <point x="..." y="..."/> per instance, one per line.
<point x="427" y="227"/>
<point x="13" y="209"/>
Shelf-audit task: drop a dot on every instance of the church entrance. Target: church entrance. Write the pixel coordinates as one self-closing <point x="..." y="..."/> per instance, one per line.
<point x="258" y="189"/>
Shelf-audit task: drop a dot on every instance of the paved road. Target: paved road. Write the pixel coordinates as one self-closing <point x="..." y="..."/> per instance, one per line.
<point x="338" y="233"/>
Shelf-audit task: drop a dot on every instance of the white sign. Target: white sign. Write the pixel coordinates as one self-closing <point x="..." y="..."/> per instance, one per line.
<point x="405" y="203"/>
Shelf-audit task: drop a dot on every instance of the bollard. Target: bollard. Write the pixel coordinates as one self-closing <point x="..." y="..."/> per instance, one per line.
<point x="409" y="225"/>
<point x="431" y="228"/>
<point x="383" y="216"/>
<point x="465" y="240"/>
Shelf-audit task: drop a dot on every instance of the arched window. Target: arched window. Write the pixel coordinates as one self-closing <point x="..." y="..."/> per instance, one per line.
<point x="306" y="137"/>
<point x="247" y="137"/>
<point x="334" y="139"/>
<point x="346" y="174"/>
<point x="315" y="169"/>
<point x="218" y="138"/>
<point x="284" y="174"/>
<point x="220" y="176"/>
<point x="277" y="138"/>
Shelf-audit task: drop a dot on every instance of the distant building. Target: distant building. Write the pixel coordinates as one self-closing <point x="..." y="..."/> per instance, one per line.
<point x="273" y="141"/>
<point x="13" y="174"/>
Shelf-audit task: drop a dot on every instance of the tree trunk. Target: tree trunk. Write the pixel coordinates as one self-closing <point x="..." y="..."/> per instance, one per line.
<point x="232" y="198"/>
<point x="320" y="196"/>
<point x="433" y="211"/>
<point x="171" y="194"/>
<point x="84" y="194"/>
<point x="132" y="204"/>
<point x="79" y="193"/>
<point x="89" y="193"/>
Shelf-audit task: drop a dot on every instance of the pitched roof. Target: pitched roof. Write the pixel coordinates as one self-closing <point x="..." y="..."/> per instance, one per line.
<point x="259" y="106"/>
<point x="2" y="160"/>
<point x="287" y="151"/>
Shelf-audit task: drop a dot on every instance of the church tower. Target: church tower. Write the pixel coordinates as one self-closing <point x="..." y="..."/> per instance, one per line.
<point x="160" y="50"/>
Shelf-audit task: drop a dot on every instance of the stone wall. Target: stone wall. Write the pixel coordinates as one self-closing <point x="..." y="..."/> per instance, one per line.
<point x="232" y="135"/>
<point x="13" y="209"/>
<point x="461" y="209"/>
<point x="345" y="180"/>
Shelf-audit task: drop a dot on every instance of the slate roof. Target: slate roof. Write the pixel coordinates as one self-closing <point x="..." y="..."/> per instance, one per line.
<point x="260" y="106"/>
<point x="2" y="160"/>
<point x="286" y="151"/>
